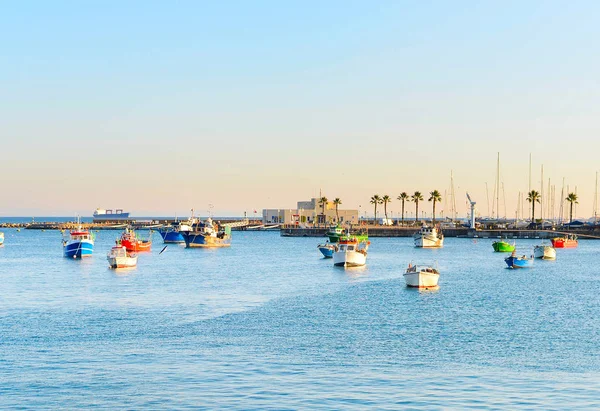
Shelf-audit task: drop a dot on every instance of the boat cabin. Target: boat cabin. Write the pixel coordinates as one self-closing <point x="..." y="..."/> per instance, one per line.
<point x="80" y="235"/>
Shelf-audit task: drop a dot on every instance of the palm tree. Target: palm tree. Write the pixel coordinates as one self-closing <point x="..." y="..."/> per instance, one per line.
<point x="385" y="200"/>
<point x="572" y="198"/>
<point x="435" y="197"/>
<point x="337" y="202"/>
<point x="533" y="197"/>
<point x="376" y="200"/>
<point x="323" y="202"/>
<point x="416" y="197"/>
<point x="403" y="197"/>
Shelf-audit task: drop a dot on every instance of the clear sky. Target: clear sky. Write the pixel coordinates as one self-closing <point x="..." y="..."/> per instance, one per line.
<point x="158" y="107"/>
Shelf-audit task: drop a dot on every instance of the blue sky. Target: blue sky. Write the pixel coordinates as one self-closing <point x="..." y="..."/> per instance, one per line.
<point x="158" y="107"/>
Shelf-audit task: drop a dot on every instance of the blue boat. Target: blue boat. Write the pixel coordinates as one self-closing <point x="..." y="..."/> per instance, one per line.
<point x="79" y="245"/>
<point x="327" y="249"/>
<point x="171" y="236"/>
<point x="207" y="234"/>
<point x="519" y="262"/>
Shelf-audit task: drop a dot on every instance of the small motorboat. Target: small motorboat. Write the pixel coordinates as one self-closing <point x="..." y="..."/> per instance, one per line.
<point x="131" y="242"/>
<point x="502" y="246"/>
<point x="544" y="251"/>
<point x="421" y="276"/>
<point x="118" y="257"/>
<point x="352" y="251"/>
<point x="567" y="241"/>
<point x="327" y="249"/>
<point x="429" y="237"/>
<point x="519" y="262"/>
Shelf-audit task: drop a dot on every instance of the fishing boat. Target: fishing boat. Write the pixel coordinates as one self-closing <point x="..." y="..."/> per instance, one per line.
<point x="502" y="246"/>
<point x="429" y="237"/>
<point x="1" y="238"/>
<point x="420" y="275"/>
<point x="118" y="257"/>
<point x="334" y="233"/>
<point x="131" y="242"/>
<point x="352" y="251"/>
<point x="544" y="251"/>
<point x="171" y="234"/>
<point x="519" y="262"/>
<point x="207" y="234"/>
<point x="79" y="244"/>
<point x="567" y="241"/>
<point x="327" y="249"/>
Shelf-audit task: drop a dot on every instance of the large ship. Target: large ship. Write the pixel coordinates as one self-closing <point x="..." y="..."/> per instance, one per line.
<point x="108" y="215"/>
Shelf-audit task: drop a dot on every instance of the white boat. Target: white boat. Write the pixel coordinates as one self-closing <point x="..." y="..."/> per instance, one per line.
<point x="421" y="276"/>
<point x="545" y="252"/>
<point x="118" y="257"/>
<point x="1" y="238"/>
<point x="429" y="237"/>
<point x="352" y="251"/>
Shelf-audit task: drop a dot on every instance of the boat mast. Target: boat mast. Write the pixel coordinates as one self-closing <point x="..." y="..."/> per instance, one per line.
<point x="498" y="187"/>
<point x="542" y="196"/>
<point x="596" y="201"/>
<point x="487" y="195"/>
<point x="529" y="187"/>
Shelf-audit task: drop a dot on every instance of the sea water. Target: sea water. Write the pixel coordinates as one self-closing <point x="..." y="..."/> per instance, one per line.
<point x="268" y="323"/>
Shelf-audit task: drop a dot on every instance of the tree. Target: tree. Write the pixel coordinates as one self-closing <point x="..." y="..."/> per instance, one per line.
<point x="376" y="200"/>
<point x="533" y="197"/>
<point x="435" y="196"/>
<point x="571" y="198"/>
<point x="337" y="202"/>
<point x="385" y="200"/>
<point x="323" y="202"/>
<point x="403" y="197"/>
<point x="416" y="197"/>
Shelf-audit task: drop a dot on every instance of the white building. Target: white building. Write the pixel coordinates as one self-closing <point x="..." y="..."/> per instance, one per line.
<point x="310" y="213"/>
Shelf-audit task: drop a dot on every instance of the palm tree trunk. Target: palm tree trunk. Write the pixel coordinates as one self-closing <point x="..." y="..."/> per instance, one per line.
<point x="434" y="211"/>
<point x="385" y="211"/>
<point x="402" y="212"/>
<point x="571" y="214"/>
<point x="533" y="212"/>
<point x="417" y="211"/>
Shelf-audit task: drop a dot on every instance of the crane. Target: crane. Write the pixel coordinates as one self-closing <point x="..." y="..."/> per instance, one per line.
<point x="472" y="222"/>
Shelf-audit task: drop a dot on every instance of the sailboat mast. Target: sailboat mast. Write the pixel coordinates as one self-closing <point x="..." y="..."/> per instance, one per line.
<point x="487" y="195"/>
<point x="498" y="187"/>
<point x="542" y="196"/>
<point x="596" y="201"/>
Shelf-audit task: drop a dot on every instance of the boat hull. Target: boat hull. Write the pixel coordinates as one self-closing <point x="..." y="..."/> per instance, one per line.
<point x="564" y="243"/>
<point x="349" y="258"/>
<point x="424" y="241"/>
<point x="503" y="247"/>
<point x="78" y="249"/>
<point x="518" y="262"/>
<point x="544" y="252"/>
<point x="327" y="250"/>
<point x="122" y="262"/>
<point x="199" y="240"/>
<point x="171" y="237"/>
<point x="137" y="246"/>
<point x="421" y="279"/>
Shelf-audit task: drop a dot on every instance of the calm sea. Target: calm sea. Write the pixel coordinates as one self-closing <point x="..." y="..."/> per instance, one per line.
<point x="268" y="324"/>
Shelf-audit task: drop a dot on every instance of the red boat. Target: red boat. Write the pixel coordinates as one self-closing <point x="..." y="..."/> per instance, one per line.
<point x="132" y="243"/>
<point x="568" y="241"/>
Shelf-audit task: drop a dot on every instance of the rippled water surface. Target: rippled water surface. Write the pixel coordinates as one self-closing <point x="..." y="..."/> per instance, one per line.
<point x="269" y="324"/>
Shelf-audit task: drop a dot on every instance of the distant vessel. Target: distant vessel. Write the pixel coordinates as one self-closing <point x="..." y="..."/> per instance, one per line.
<point x="502" y="246"/>
<point x="108" y="215"/>
<point x="567" y="241"/>
<point x="519" y="262"/>
<point x="545" y="252"/>
<point x="352" y="251"/>
<point x="327" y="249"/>
<point x="79" y="244"/>
<point x="118" y="257"/>
<point x="421" y="276"/>
<point x="207" y="234"/>
<point x="429" y="237"/>
<point x="131" y="242"/>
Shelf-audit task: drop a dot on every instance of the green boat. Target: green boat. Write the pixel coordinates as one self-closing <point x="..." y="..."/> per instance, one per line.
<point x="502" y="246"/>
<point x="335" y="233"/>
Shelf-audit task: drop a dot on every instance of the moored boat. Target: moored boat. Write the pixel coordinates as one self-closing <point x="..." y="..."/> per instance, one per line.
<point x="352" y="251"/>
<point x="502" y="246"/>
<point x="206" y="234"/>
<point x="327" y="249"/>
<point x="519" y="262"/>
<point x="429" y="237"/>
<point x="544" y="251"/>
<point x="131" y="242"/>
<point x="171" y="234"/>
<point x="334" y="233"/>
<point x="567" y="241"/>
<point x="79" y="244"/>
<point x="118" y="257"/>
<point x="1" y="238"/>
<point x="421" y="276"/>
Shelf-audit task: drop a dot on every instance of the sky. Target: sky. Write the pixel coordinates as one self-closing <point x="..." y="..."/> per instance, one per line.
<point x="235" y="106"/>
